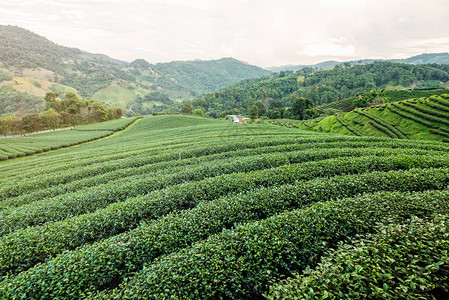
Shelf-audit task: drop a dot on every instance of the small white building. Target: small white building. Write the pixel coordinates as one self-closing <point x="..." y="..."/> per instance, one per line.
<point x="238" y="119"/>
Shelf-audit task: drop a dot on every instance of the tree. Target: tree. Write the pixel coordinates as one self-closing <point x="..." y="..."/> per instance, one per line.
<point x="32" y="123"/>
<point x="97" y="112"/>
<point x="4" y="128"/>
<point x="15" y="125"/>
<point x="118" y="112"/>
<point x="186" y="109"/>
<point x="66" y="118"/>
<point x="51" y="119"/>
<point x="51" y="101"/>
<point x="198" y="112"/>
<point x="254" y="112"/>
<point x="300" y="105"/>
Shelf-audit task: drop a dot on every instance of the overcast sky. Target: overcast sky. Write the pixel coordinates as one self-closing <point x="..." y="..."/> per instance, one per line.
<point x="260" y="32"/>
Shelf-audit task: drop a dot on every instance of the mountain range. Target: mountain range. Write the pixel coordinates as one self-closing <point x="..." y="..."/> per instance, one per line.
<point x="427" y="58"/>
<point x="31" y="66"/>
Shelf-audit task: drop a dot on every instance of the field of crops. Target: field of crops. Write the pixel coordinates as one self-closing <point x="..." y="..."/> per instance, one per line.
<point x="416" y="119"/>
<point x="184" y="207"/>
<point x="43" y="142"/>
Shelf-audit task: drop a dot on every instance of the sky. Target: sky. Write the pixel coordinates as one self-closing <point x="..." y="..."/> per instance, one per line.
<point x="260" y="32"/>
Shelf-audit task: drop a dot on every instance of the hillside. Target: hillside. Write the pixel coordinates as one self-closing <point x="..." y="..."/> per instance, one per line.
<point x="423" y="118"/>
<point x="36" y="65"/>
<point x="326" y="86"/>
<point x="426" y="58"/>
<point x="186" y="207"/>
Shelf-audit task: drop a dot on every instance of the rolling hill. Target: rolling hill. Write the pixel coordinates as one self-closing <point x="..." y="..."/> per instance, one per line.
<point x="33" y="65"/>
<point x="416" y="119"/>
<point x="274" y="92"/>
<point x="186" y="207"/>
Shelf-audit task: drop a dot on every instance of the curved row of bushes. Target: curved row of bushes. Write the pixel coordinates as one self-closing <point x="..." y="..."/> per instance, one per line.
<point x="24" y="248"/>
<point x="383" y="125"/>
<point x="347" y="126"/>
<point x="85" y="201"/>
<point x="80" y="186"/>
<point x="406" y="261"/>
<point x="243" y="262"/>
<point x="30" y="145"/>
<point x="429" y="112"/>
<point x="102" y="264"/>
<point x="425" y="116"/>
<point x="394" y="108"/>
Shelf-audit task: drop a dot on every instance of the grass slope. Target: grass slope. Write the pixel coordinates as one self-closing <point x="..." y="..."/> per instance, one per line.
<point x="188" y="207"/>
<point x="416" y="119"/>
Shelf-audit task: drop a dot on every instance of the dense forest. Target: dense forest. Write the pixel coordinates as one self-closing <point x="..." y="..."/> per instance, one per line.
<point x="320" y="86"/>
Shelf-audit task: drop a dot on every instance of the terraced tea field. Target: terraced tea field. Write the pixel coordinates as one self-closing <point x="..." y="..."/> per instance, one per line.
<point x="186" y="207"/>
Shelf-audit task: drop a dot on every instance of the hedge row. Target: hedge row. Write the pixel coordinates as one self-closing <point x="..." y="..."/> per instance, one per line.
<point x="384" y="125"/>
<point x="440" y="132"/>
<point x="35" y="144"/>
<point x="241" y="263"/>
<point x="21" y="151"/>
<point x="102" y="264"/>
<point x="348" y="127"/>
<point x="425" y="116"/>
<point x="442" y="102"/>
<point x="429" y="112"/>
<point x="384" y="129"/>
<point x="76" y="186"/>
<point x="402" y="112"/>
<point x="16" y="188"/>
<point x="407" y="261"/>
<point x="438" y="107"/>
<point x="100" y="196"/>
<point x="22" y="249"/>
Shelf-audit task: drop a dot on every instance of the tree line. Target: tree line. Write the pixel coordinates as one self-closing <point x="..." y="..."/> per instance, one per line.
<point x="274" y="95"/>
<point x="70" y="111"/>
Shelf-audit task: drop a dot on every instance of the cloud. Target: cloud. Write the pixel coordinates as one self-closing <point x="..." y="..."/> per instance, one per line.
<point x="333" y="47"/>
<point x="262" y="32"/>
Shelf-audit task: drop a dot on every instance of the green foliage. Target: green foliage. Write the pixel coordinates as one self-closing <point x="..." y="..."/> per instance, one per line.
<point x="187" y="207"/>
<point x="14" y="102"/>
<point x="410" y="119"/>
<point x="5" y="75"/>
<point x="261" y="252"/>
<point x="29" y="145"/>
<point x="198" y="112"/>
<point x="408" y="261"/>
<point x="322" y="87"/>
<point x="186" y="109"/>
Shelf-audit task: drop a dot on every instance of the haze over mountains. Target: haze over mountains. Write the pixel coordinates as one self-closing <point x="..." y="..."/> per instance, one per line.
<point x="31" y="66"/>
<point x="34" y="65"/>
<point x="427" y="58"/>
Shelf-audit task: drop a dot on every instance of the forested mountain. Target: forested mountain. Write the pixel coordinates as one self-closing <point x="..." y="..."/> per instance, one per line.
<point x="427" y="58"/>
<point x="323" y="86"/>
<point x="33" y="65"/>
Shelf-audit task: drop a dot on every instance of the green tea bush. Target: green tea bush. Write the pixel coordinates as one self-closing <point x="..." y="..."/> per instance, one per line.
<point x="241" y="263"/>
<point x="406" y="261"/>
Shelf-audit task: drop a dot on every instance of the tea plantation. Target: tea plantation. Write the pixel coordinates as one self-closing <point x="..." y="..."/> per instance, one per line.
<point x="184" y="207"/>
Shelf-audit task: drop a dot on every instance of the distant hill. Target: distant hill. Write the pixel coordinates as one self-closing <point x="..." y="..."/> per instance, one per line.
<point x="37" y="65"/>
<point x="275" y="92"/>
<point x="430" y="58"/>
<point x="423" y="118"/>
